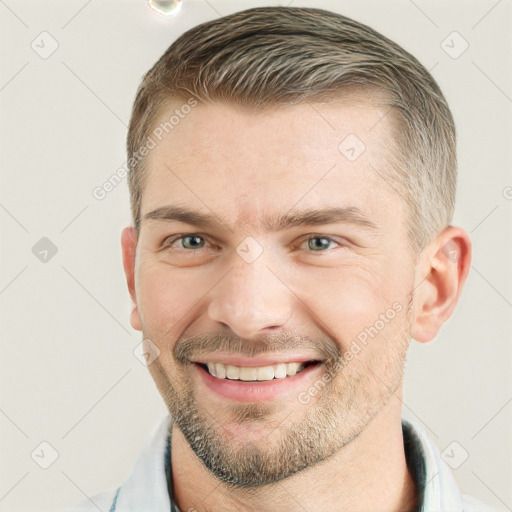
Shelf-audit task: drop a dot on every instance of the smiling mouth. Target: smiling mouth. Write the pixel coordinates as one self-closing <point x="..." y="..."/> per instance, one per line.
<point x="255" y="373"/>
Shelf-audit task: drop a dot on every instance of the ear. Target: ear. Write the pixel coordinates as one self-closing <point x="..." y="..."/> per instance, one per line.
<point x="441" y="272"/>
<point x="129" y="247"/>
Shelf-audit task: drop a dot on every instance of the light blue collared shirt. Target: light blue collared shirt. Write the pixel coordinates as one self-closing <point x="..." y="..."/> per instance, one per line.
<point x="146" y="488"/>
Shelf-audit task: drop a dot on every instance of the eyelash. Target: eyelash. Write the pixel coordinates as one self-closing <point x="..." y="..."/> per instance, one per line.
<point x="167" y="242"/>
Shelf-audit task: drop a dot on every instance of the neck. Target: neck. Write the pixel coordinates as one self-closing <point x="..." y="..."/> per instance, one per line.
<point x="369" y="470"/>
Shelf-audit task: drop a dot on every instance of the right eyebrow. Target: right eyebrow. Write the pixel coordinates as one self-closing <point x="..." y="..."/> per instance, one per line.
<point x="181" y="214"/>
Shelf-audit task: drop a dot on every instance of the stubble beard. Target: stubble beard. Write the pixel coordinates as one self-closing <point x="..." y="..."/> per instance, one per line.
<point x="301" y="435"/>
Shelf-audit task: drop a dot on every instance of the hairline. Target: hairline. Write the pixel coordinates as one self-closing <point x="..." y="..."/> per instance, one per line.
<point x="349" y="94"/>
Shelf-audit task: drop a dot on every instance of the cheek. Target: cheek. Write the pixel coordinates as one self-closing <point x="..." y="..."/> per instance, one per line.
<point x="169" y="297"/>
<point x="162" y="299"/>
<point x="347" y="301"/>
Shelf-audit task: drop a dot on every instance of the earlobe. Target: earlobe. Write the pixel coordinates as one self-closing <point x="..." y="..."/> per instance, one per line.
<point x="129" y="247"/>
<point x="135" y="320"/>
<point x="442" y="271"/>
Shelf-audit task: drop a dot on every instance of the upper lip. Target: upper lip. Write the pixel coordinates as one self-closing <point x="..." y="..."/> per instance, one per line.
<point x="238" y="360"/>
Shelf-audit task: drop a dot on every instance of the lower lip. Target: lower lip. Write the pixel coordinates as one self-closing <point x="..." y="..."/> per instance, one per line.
<point x="256" y="391"/>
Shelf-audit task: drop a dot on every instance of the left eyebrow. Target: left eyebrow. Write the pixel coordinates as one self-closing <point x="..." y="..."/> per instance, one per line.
<point x="347" y="215"/>
<point x="293" y="218"/>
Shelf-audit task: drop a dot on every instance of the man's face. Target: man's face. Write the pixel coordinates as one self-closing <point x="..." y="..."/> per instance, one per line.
<point x="304" y="257"/>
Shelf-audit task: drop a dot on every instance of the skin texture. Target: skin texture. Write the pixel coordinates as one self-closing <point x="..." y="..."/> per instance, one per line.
<point x="300" y="450"/>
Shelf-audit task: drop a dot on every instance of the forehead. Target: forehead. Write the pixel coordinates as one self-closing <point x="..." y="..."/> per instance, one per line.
<point x="242" y="164"/>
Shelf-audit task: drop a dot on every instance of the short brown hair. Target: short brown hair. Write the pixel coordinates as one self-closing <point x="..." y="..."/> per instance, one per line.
<point x="270" y="56"/>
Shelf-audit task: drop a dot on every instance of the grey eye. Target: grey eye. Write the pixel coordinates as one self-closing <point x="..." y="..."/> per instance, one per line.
<point x="192" y="242"/>
<point x="318" y="243"/>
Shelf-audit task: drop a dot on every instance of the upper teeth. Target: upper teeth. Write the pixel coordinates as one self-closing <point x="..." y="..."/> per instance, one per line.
<point x="229" y="371"/>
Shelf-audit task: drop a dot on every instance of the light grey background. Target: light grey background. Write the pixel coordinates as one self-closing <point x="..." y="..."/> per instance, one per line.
<point x="69" y="376"/>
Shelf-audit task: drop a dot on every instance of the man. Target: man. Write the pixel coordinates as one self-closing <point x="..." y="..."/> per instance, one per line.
<point x="292" y="177"/>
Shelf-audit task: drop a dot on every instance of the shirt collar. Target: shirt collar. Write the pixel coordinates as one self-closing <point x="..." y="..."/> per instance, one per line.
<point x="436" y="486"/>
<point x="146" y="487"/>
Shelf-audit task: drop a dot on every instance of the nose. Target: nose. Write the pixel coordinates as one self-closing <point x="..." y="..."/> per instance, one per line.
<point x="251" y="300"/>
